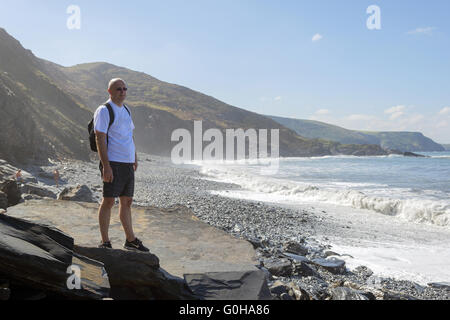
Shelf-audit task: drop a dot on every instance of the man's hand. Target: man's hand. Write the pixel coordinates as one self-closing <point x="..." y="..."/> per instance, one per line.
<point x="108" y="174"/>
<point x="135" y="165"/>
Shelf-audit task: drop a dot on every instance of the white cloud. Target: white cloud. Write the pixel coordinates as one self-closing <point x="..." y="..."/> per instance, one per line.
<point x="445" y="111"/>
<point x="323" y="112"/>
<point x="425" y="30"/>
<point x="278" y="98"/>
<point x="395" y="109"/>
<point x="359" y="117"/>
<point x="317" y="37"/>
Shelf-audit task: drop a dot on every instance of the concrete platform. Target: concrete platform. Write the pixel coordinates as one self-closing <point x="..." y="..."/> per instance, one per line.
<point x="183" y="244"/>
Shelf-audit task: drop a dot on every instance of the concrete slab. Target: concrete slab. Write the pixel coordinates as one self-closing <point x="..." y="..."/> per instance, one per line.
<point x="183" y="244"/>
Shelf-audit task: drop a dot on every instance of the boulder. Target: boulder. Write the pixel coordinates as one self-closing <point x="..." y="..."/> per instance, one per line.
<point x="295" y="248"/>
<point x="137" y="276"/>
<point x="12" y="191"/>
<point x="332" y="265"/>
<point x="440" y="285"/>
<point x="248" y="285"/>
<point x="35" y="189"/>
<point x="304" y="270"/>
<point x="278" y="267"/>
<point x="40" y="257"/>
<point x="80" y="193"/>
<point x="3" y="200"/>
<point x="344" y="293"/>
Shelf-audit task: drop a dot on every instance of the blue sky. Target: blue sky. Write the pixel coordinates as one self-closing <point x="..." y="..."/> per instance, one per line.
<point x="260" y="55"/>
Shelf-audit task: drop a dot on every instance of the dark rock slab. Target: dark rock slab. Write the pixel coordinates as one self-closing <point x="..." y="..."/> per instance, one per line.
<point x="304" y="270"/>
<point x="278" y="267"/>
<point x="80" y="193"/>
<point x="296" y="257"/>
<point x="12" y="191"/>
<point x="137" y="276"/>
<point x="38" y="257"/>
<point x="35" y="189"/>
<point x="3" y="200"/>
<point x="333" y="265"/>
<point x="295" y="248"/>
<point x="249" y="285"/>
<point x="440" y="285"/>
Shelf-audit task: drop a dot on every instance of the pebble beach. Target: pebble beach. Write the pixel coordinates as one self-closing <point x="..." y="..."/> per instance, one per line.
<point x="270" y="228"/>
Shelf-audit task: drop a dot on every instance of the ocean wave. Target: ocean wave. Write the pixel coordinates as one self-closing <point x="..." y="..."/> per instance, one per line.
<point x="412" y="209"/>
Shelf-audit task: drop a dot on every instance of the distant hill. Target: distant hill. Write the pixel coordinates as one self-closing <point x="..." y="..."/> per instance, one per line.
<point x="446" y="146"/>
<point x="402" y="141"/>
<point x="46" y="107"/>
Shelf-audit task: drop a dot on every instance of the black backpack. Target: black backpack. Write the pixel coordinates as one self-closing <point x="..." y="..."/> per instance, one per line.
<point x="91" y="130"/>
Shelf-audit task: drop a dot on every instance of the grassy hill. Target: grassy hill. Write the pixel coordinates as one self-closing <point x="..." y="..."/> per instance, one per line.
<point x="46" y="108"/>
<point x="403" y="141"/>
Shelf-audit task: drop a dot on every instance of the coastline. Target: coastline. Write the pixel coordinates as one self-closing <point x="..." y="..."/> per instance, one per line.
<point x="267" y="226"/>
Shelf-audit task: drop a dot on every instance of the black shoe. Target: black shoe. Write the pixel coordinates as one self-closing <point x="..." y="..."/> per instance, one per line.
<point x="105" y="245"/>
<point x="135" y="245"/>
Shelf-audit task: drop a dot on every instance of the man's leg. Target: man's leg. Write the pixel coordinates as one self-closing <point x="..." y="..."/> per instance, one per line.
<point x="104" y="217"/>
<point x="125" y="217"/>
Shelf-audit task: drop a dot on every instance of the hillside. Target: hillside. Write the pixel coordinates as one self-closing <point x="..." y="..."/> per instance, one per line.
<point x="403" y="141"/>
<point x="46" y="109"/>
<point x="446" y="146"/>
<point x="38" y="119"/>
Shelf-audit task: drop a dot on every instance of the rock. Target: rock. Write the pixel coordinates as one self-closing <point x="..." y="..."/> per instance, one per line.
<point x="286" y="296"/>
<point x="343" y="293"/>
<point x="278" y="288"/>
<point x="137" y="276"/>
<point x="391" y="295"/>
<point x="296" y="257"/>
<point x="331" y="253"/>
<point x="295" y="248"/>
<point x="249" y="285"/>
<point x="278" y="267"/>
<point x="35" y="189"/>
<point x="332" y="265"/>
<point x="304" y="270"/>
<point x="39" y="258"/>
<point x="363" y="271"/>
<point x="80" y="193"/>
<point x="3" y="200"/>
<point x="12" y="191"/>
<point x="5" y="293"/>
<point x="2" y="211"/>
<point x="440" y="285"/>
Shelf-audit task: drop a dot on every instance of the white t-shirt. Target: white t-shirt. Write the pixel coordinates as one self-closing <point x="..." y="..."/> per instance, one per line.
<point x="121" y="146"/>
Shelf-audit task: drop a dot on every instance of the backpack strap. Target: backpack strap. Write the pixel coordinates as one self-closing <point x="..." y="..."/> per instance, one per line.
<point x="111" y="120"/>
<point x="128" y="110"/>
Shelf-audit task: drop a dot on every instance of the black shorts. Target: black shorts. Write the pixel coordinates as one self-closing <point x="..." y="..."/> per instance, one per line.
<point x="123" y="181"/>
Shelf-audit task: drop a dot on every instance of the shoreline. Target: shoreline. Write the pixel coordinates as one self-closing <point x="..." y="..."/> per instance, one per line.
<point x="267" y="226"/>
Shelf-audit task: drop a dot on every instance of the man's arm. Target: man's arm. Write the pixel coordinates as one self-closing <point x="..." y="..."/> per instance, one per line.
<point x="100" y="138"/>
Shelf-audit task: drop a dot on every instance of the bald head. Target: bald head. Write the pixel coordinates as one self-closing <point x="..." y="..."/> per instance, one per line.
<point x="112" y="82"/>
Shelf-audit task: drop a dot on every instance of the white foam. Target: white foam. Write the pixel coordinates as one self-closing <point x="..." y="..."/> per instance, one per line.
<point x="412" y="209"/>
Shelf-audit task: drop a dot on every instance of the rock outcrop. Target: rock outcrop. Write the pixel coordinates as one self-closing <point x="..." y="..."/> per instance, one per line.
<point x="80" y="193"/>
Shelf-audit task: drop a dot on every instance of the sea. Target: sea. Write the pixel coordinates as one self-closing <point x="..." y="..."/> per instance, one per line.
<point x="404" y="199"/>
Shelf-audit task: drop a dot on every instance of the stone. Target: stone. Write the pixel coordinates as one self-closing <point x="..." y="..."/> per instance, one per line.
<point x="440" y="285"/>
<point x="3" y="200"/>
<point x="80" y="193"/>
<point x="296" y="257"/>
<point x="286" y="296"/>
<point x="137" y="275"/>
<point x="39" y="257"/>
<point x="330" y="253"/>
<point x="35" y="189"/>
<point x="278" y="267"/>
<point x="5" y="293"/>
<point x="363" y="271"/>
<point x="249" y="285"/>
<point x="391" y="295"/>
<point x="332" y="265"/>
<point x="295" y="248"/>
<point x="304" y="270"/>
<point x="12" y="191"/>
<point x="344" y="293"/>
<point x="278" y="287"/>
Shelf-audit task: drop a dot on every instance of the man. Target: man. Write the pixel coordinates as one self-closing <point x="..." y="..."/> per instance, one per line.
<point x="56" y="177"/>
<point x="119" y="161"/>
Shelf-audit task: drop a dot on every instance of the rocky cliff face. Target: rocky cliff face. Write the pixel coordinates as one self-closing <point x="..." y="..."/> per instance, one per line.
<point x="38" y="119"/>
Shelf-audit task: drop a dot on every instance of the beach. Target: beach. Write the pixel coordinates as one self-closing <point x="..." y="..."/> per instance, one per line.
<point x="324" y="230"/>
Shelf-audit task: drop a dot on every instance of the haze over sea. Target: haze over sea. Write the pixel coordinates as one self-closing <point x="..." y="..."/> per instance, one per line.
<point x="393" y="193"/>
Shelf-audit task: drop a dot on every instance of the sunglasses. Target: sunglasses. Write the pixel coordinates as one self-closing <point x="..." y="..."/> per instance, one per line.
<point x="121" y="89"/>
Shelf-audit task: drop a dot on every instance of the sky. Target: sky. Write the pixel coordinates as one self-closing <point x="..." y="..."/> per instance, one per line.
<point x="314" y="60"/>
